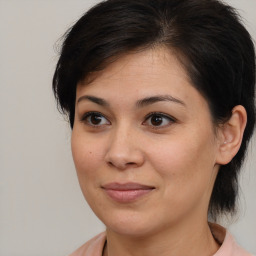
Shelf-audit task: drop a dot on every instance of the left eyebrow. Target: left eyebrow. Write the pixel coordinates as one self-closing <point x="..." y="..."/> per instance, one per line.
<point x="151" y="100"/>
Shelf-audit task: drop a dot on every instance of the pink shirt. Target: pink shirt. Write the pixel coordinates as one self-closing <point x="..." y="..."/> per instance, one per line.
<point x="229" y="247"/>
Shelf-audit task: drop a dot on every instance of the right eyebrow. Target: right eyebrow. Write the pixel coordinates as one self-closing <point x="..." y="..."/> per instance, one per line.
<point x="94" y="99"/>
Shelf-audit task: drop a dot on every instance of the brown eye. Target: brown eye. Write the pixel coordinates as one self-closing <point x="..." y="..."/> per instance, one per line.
<point x="156" y="120"/>
<point x="159" y="120"/>
<point x="95" y="119"/>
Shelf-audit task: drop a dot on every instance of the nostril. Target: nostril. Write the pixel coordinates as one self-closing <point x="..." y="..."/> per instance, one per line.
<point x="110" y="163"/>
<point x="120" y="165"/>
<point x="130" y="163"/>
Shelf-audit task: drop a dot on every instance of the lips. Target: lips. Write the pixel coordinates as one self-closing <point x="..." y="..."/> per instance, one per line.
<point x="126" y="192"/>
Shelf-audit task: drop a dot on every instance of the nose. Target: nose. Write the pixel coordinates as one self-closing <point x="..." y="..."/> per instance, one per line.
<point x="124" y="150"/>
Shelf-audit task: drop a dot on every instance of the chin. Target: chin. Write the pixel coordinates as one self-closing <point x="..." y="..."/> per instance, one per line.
<point x="129" y="230"/>
<point x="130" y="224"/>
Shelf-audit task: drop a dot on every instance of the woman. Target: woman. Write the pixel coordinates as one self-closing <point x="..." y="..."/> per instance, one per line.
<point x="160" y="99"/>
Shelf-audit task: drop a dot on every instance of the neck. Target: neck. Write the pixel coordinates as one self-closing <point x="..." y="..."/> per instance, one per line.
<point x="193" y="240"/>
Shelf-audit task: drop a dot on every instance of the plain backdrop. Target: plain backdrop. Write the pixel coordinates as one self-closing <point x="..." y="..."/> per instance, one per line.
<point x="42" y="211"/>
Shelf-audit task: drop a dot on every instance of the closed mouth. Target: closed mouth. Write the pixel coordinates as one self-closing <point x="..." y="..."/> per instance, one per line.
<point x="126" y="192"/>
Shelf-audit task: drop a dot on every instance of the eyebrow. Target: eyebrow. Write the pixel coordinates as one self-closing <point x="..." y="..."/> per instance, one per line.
<point x="94" y="99"/>
<point x="150" y="100"/>
<point x="140" y="103"/>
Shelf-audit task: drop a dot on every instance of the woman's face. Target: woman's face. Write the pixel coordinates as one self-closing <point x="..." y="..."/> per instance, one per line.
<point x="144" y="145"/>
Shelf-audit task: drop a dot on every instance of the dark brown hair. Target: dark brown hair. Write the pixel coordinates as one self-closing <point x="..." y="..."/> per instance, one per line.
<point x="210" y="40"/>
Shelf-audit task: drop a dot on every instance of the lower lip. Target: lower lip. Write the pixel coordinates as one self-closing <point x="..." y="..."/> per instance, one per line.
<point x="125" y="196"/>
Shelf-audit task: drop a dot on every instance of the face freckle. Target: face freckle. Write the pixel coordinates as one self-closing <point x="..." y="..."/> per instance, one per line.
<point x="176" y="161"/>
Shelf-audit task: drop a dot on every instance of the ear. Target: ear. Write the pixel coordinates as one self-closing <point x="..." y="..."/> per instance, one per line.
<point x="230" y="135"/>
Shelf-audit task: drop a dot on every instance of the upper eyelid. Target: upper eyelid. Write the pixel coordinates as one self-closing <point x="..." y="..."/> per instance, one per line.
<point x="92" y="112"/>
<point x="85" y="115"/>
<point x="160" y="114"/>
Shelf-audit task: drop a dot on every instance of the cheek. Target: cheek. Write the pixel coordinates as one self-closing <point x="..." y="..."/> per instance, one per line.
<point x="86" y="155"/>
<point x="184" y="159"/>
<point x="186" y="175"/>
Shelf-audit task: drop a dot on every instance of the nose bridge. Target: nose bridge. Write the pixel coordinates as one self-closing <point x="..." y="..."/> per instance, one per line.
<point x="124" y="149"/>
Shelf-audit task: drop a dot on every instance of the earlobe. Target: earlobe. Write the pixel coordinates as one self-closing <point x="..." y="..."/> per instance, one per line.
<point x="231" y="135"/>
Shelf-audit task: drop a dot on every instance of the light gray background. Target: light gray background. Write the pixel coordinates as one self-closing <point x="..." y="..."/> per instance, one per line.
<point x="42" y="211"/>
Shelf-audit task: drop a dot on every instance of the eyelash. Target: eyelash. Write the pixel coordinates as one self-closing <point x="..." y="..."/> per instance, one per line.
<point x="90" y="114"/>
<point x="171" y="119"/>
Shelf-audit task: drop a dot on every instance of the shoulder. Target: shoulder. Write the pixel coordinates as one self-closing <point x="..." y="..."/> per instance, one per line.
<point x="93" y="247"/>
<point x="229" y="247"/>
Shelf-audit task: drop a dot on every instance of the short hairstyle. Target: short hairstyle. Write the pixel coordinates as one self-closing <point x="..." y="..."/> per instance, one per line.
<point x="210" y="41"/>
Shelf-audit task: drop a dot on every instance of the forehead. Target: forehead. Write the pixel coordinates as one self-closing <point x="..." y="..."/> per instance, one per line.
<point x="143" y="67"/>
<point x="142" y="74"/>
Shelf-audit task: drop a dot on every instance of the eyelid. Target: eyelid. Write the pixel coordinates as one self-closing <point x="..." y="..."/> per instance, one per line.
<point x="171" y="118"/>
<point x="160" y="114"/>
<point x="87" y="114"/>
<point x="164" y="115"/>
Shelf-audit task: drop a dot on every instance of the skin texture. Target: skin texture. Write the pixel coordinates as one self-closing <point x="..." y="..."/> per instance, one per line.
<point x="179" y="157"/>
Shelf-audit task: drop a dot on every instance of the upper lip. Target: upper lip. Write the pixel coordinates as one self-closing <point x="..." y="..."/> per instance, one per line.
<point x="126" y="186"/>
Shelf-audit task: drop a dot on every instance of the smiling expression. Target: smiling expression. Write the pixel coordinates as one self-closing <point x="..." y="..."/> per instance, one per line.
<point x="144" y="144"/>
